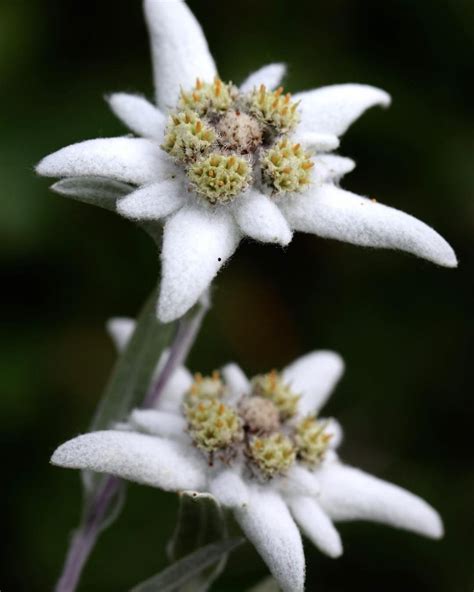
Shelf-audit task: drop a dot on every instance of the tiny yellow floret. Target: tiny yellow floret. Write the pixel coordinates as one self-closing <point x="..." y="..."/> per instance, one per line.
<point x="273" y="455"/>
<point x="271" y="386"/>
<point x="220" y="178"/>
<point x="273" y="109"/>
<point x="312" y="441"/>
<point x="286" y="168"/>
<point x="208" y="98"/>
<point x="187" y="136"/>
<point x="213" y="425"/>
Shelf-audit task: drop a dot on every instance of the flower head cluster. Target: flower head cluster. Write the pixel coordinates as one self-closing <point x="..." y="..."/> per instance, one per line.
<point x="278" y="472"/>
<point x="215" y="163"/>
<point x="224" y="138"/>
<point x="259" y="430"/>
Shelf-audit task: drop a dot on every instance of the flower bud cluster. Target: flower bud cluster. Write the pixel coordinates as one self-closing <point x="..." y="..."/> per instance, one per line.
<point x="271" y="386"/>
<point x="220" y="178"/>
<point x="226" y="140"/>
<point x="212" y="424"/>
<point x="287" y="168"/>
<point x="209" y="98"/>
<point x="312" y="440"/>
<point x="261" y="428"/>
<point x="274" y="109"/>
<point x="187" y="136"/>
<point x="273" y="455"/>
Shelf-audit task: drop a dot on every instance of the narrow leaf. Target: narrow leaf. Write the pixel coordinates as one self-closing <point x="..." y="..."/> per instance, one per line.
<point x="134" y="370"/>
<point x="97" y="191"/>
<point x="200" y="522"/>
<point x="187" y="568"/>
<point x="132" y="375"/>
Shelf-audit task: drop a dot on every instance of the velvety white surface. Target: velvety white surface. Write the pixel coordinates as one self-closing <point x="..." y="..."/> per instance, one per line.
<point x="259" y="218"/>
<point x="154" y="201"/>
<point x="331" y="212"/>
<point x="332" y="109"/>
<point x="138" y="114"/>
<point x="271" y="76"/>
<point x="269" y="526"/>
<point x="149" y="460"/>
<point x="314" y="377"/>
<point x="196" y="244"/>
<point x="132" y="160"/>
<point x="179" y="49"/>
<point x="350" y="494"/>
<point x="316" y="525"/>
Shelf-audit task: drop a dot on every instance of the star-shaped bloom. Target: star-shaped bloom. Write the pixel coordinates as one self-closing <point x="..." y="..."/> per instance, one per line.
<point x="261" y="449"/>
<point x="215" y="163"/>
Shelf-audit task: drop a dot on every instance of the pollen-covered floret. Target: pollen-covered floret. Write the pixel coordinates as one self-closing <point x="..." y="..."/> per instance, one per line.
<point x="205" y="387"/>
<point x="187" y="136"/>
<point x="220" y="178"/>
<point x="286" y="167"/>
<point x="208" y="98"/>
<point x="274" y="109"/>
<point x="312" y="441"/>
<point x="213" y="425"/>
<point x="259" y="415"/>
<point x="220" y="136"/>
<point x="271" y="386"/>
<point x="239" y="132"/>
<point x="273" y="455"/>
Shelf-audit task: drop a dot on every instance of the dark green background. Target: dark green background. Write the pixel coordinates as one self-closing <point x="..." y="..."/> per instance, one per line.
<point x="403" y="326"/>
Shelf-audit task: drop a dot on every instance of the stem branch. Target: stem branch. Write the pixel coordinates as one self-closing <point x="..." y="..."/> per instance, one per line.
<point x="85" y="537"/>
<point x="95" y="517"/>
<point x="186" y="334"/>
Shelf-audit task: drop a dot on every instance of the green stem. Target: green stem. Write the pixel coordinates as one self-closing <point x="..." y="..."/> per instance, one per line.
<point x="128" y="385"/>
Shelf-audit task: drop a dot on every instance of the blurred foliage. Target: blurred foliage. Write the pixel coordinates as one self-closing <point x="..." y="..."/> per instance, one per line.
<point x="403" y="326"/>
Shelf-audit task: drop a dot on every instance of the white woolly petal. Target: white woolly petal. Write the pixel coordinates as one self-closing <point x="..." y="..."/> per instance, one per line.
<point x="158" y="423"/>
<point x="318" y="142"/>
<point x="177" y="385"/>
<point x="236" y="381"/>
<point x="120" y="330"/>
<point x="259" y="218"/>
<point x="138" y="114"/>
<point x="269" y="526"/>
<point x="229" y="488"/>
<point x="316" y="525"/>
<point x="179" y="49"/>
<point x="196" y="244"/>
<point x="172" y="395"/>
<point x="332" y="109"/>
<point x="331" y="168"/>
<point x="331" y="212"/>
<point x="153" y="201"/>
<point x="351" y="494"/>
<point x="298" y="481"/>
<point x="133" y="160"/>
<point x="270" y="75"/>
<point x="335" y="430"/>
<point x="314" y="376"/>
<point x="136" y="457"/>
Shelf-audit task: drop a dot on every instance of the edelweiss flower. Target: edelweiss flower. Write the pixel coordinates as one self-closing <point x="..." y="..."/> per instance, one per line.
<point x="260" y="449"/>
<point x="217" y="163"/>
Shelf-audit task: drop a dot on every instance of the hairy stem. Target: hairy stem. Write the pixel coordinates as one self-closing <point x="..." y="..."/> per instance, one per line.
<point x="96" y="514"/>
<point x="85" y="537"/>
<point x="188" y="330"/>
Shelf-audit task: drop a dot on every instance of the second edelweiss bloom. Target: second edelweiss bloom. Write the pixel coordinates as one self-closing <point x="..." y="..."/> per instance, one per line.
<point x="261" y="449"/>
<point x="217" y="162"/>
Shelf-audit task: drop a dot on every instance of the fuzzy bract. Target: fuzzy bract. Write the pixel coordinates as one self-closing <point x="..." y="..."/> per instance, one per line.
<point x="281" y="482"/>
<point x="249" y="161"/>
